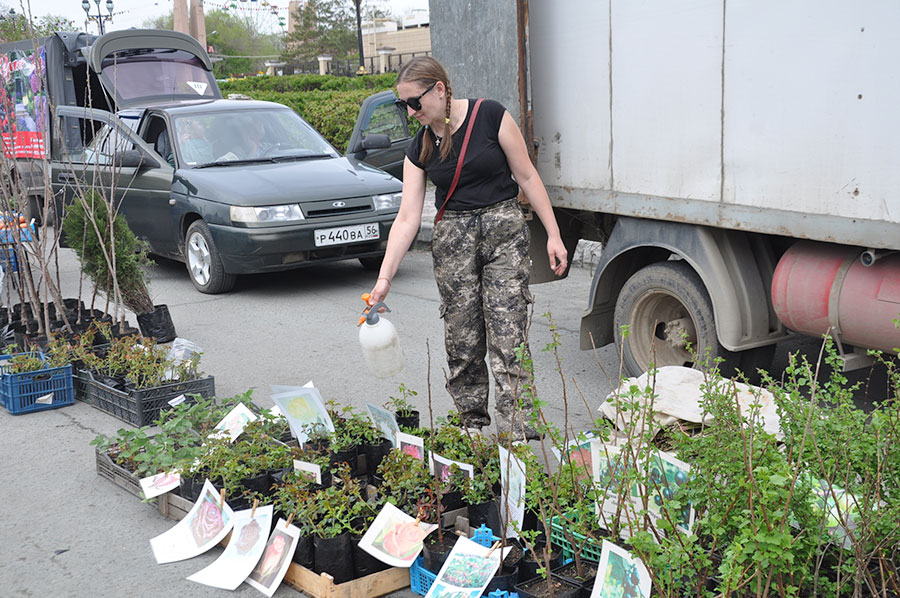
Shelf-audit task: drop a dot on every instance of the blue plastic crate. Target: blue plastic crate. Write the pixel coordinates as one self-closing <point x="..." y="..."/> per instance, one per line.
<point x="28" y="392"/>
<point x="25" y="233"/>
<point x="420" y="578"/>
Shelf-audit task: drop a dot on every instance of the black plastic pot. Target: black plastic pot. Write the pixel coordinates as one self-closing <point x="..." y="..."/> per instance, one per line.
<point x="363" y="562"/>
<point x="530" y="588"/>
<point x="532" y="521"/>
<point x="374" y="454"/>
<point x="157" y="324"/>
<point x="568" y="573"/>
<point x="433" y="553"/>
<point x="119" y="330"/>
<point x="36" y="342"/>
<point x="304" y="555"/>
<point x="334" y="556"/>
<point x="486" y="513"/>
<point x="327" y="479"/>
<point x="258" y="483"/>
<point x="514" y="556"/>
<point x="505" y="580"/>
<point x="452" y="500"/>
<point x="190" y="487"/>
<point x="277" y="476"/>
<point x="407" y="421"/>
<point x="318" y="445"/>
<point x="348" y="456"/>
<point x="528" y="566"/>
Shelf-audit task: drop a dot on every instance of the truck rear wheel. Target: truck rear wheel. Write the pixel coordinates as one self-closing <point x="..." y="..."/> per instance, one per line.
<point x="670" y="318"/>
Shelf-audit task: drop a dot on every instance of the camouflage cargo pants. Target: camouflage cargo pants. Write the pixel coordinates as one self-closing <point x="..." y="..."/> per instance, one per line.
<point x="481" y="267"/>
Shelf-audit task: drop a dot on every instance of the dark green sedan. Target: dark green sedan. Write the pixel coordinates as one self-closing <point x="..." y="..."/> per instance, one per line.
<point x="228" y="186"/>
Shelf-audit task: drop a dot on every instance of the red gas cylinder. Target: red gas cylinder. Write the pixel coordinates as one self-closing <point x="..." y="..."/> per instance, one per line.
<point x="818" y="285"/>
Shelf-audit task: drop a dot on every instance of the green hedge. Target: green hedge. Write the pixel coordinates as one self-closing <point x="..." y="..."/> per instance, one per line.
<point x="309" y="83"/>
<point x="330" y="104"/>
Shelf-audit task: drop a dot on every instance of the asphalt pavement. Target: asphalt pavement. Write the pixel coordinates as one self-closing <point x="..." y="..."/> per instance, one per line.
<point x="65" y="531"/>
<point x="68" y="532"/>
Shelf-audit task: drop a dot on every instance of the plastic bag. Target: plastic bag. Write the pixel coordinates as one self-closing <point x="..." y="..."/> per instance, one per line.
<point x="182" y="351"/>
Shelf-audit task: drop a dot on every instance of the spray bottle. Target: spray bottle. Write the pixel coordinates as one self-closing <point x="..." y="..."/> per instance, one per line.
<point x="379" y="341"/>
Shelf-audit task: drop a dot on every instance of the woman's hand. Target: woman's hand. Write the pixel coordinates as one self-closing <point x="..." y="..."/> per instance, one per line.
<point x="529" y="181"/>
<point x="557" y="253"/>
<point x="381" y="289"/>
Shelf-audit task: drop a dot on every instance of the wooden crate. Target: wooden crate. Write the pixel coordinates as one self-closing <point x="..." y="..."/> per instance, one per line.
<point x="112" y="471"/>
<point x="317" y="585"/>
<point x="172" y="506"/>
<point x="321" y="585"/>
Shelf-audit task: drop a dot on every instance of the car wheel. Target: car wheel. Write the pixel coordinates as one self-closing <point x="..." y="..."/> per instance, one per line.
<point x="203" y="262"/>
<point x="371" y="263"/>
<point x="670" y="318"/>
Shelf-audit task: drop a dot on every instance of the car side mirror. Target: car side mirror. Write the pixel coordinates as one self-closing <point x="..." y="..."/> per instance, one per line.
<point x="376" y="141"/>
<point x="135" y="159"/>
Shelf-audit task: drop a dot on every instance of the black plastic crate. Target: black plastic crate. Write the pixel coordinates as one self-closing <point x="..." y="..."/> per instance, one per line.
<point x="142" y="407"/>
<point x="81" y="381"/>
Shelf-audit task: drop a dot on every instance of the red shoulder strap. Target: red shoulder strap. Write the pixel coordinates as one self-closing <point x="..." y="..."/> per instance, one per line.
<point x="459" y="163"/>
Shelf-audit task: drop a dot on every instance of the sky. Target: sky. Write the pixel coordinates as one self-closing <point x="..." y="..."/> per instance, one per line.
<point x="134" y="13"/>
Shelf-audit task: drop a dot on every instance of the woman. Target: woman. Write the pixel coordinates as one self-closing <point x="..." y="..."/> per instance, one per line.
<point x="480" y="246"/>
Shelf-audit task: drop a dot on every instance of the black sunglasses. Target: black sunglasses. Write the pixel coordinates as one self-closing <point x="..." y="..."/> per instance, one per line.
<point x="414" y="103"/>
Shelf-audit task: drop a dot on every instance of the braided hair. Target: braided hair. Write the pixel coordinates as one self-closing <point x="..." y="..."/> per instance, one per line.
<point x="425" y="70"/>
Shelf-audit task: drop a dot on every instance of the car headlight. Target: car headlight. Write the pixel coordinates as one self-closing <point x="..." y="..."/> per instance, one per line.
<point x="266" y="214"/>
<point x="387" y="201"/>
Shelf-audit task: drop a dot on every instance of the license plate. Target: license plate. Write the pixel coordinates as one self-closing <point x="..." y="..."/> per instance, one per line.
<point x="346" y="234"/>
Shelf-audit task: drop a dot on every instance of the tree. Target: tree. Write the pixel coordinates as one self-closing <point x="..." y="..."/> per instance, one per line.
<point x="322" y="27"/>
<point x="15" y="26"/>
<point x="232" y="35"/>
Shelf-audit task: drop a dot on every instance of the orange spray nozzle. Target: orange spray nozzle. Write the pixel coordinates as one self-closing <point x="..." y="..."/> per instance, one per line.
<point x="367" y="297"/>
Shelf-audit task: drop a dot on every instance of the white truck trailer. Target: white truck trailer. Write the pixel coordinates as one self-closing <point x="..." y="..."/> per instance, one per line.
<point x="740" y="161"/>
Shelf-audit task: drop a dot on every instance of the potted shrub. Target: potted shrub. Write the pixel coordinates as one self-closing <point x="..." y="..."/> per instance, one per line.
<point x="481" y="491"/>
<point x="114" y="259"/>
<point x="372" y="445"/>
<point x="436" y="546"/>
<point x="331" y="513"/>
<point x="407" y="417"/>
<point x="344" y="448"/>
<point x="294" y="500"/>
<point x="404" y="481"/>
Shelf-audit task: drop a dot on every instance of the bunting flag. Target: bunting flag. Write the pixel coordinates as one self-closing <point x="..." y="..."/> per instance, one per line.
<point x="248" y="6"/>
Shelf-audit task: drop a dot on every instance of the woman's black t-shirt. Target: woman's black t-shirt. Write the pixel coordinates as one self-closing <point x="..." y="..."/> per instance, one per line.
<point x="485" y="178"/>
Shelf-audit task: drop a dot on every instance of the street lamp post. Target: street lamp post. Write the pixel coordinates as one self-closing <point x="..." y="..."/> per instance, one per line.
<point x="99" y="17"/>
<point x="359" y="40"/>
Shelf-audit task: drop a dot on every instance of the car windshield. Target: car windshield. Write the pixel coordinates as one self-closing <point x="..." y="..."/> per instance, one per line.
<point x="252" y="135"/>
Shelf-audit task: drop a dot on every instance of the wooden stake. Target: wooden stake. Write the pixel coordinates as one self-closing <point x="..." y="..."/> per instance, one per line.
<point x="255" y="504"/>
<point x="493" y="548"/>
<point x="287" y="523"/>
<point x="222" y="498"/>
